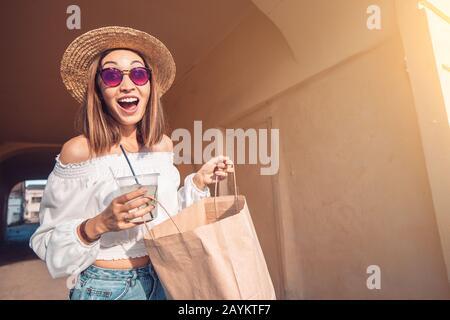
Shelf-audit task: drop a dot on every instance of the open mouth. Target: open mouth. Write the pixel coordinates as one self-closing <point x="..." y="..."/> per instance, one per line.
<point x="128" y="104"/>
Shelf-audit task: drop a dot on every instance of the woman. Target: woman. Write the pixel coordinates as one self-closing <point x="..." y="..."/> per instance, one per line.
<point x="118" y="75"/>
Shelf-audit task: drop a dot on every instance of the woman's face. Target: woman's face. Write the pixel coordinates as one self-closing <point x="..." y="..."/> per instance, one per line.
<point x="127" y="101"/>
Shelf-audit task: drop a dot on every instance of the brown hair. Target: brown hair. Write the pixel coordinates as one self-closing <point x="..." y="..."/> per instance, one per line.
<point x="102" y="131"/>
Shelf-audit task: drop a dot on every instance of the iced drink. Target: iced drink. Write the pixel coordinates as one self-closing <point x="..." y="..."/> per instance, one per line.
<point x="148" y="181"/>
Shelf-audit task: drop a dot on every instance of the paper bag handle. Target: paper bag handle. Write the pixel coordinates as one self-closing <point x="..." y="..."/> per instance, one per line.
<point x="215" y="205"/>
<point x="168" y="214"/>
<point x="235" y="191"/>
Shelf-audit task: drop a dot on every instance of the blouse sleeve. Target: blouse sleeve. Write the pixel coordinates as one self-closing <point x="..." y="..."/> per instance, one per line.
<point x="189" y="193"/>
<point x="63" y="207"/>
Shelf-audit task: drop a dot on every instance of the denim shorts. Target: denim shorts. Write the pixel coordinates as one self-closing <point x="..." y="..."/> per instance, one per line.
<point x="96" y="283"/>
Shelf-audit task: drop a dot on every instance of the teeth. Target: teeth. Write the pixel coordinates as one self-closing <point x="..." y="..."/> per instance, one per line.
<point x="128" y="100"/>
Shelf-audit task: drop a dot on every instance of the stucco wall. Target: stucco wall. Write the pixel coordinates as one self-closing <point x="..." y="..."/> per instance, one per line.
<point x="352" y="189"/>
<point x="431" y="111"/>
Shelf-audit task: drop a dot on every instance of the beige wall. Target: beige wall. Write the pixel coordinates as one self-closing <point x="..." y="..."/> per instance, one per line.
<point x="352" y="189"/>
<point x="431" y="112"/>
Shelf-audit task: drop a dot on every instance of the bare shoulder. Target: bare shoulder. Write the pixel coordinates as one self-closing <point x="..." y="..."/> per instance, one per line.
<point x="75" y="150"/>
<point x="165" y="145"/>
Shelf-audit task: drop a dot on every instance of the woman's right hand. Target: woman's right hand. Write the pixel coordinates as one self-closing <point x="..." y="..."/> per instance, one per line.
<point x="116" y="216"/>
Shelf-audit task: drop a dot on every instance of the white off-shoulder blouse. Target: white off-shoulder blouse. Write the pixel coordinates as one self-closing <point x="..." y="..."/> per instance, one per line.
<point x="75" y="192"/>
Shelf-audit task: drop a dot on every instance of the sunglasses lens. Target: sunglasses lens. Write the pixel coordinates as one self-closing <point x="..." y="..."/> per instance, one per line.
<point x="139" y="76"/>
<point x="111" y="77"/>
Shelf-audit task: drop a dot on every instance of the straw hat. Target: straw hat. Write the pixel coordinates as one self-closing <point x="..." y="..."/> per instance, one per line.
<point x="80" y="53"/>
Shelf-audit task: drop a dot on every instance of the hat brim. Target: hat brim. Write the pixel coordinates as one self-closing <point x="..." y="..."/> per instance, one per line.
<point x="81" y="52"/>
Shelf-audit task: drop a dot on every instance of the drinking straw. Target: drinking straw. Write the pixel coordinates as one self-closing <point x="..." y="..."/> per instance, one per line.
<point x="129" y="164"/>
<point x="132" y="171"/>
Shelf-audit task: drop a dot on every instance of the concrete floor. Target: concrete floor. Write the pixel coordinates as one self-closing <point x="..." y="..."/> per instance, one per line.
<point x="24" y="275"/>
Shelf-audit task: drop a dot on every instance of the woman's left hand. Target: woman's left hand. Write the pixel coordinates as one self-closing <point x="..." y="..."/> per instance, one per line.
<point x="215" y="168"/>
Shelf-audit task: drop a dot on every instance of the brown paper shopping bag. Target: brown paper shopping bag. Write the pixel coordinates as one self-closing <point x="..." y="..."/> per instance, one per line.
<point x="210" y="250"/>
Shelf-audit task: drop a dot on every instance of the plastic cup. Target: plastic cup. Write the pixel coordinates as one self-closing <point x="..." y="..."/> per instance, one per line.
<point x="150" y="182"/>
